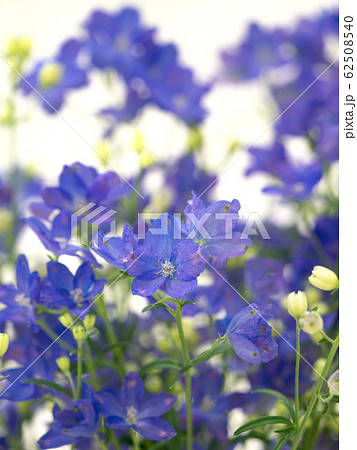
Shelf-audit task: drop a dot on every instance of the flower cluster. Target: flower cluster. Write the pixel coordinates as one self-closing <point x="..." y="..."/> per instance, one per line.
<point x="134" y="326"/>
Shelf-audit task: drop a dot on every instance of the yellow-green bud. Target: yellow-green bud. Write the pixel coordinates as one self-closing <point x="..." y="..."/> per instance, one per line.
<point x="4" y="344"/>
<point x="18" y="47"/>
<point x="66" y="320"/>
<point x="334" y="383"/>
<point x="311" y="322"/>
<point x="153" y="384"/>
<point x="6" y="220"/>
<point x="63" y="364"/>
<point x="79" y="332"/>
<point x="89" y="321"/>
<point x="104" y="151"/>
<point x="7" y="113"/>
<point x="319" y="367"/>
<point x="323" y="278"/>
<point x="50" y="74"/>
<point x="297" y="303"/>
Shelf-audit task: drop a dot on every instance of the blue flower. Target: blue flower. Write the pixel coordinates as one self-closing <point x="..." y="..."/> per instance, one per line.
<point x="216" y="227"/>
<point x="250" y="335"/>
<point x="80" y="185"/>
<point x="72" y="291"/>
<point x="116" y="250"/>
<point x="165" y="261"/>
<point x="130" y="410"/>
<point x="151" y="71"/>
<point x="293" y="181"/>
<point x="118" y="40"/>
<point x="264" y="277"/>
<point x="72" y="425"/>
<point x="20" y="300"/>
<point x="210" y="405"/>
<point x="260" y="51"/>
<point x="53" y="78"/>
<point x="57" y="239"/>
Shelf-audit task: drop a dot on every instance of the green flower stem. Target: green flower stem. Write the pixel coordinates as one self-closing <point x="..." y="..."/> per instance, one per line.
<point x="135" y="440"/>
<point x="316" y="393"/>
<point x="328" y="339"/>
<point x="73" y="388"/>
<point x="111" y="337"/>
<point x="53" y="335"/>
<point x="79" y="370"/>
<point x="297" y="369"/>
<point x="90" y="366"/>
<point x="186" y="359"/>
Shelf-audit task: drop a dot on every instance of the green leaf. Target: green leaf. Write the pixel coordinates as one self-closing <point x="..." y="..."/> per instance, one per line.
<point x="154" y="306"/>
<point x="163" y="363"/>
<point x="246" y="437"/>
<point x="284" y="400"/>
<point x="203" y="357"/>
<point x="283" y="440"/>
<point x="3" y="378"/>
<point x="261" y="422"/>
<point x="188" y="302"/>
<point x="50" y="384"/>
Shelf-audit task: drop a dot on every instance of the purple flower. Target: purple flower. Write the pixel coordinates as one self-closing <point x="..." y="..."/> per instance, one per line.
<point x="80" y="185"/>
<point x="164" y="261"/>
<point x="130" y="410"/>
<point x="151" y="71"/>
<point x="216" y="227"/>
<point x="250" y="335"/>
<point x="72" y="291"/>
<point x="210" y="405"/>
<point x="57" y="239"/>
<point x="71" y="425"/>
<point x="20" y="300"/>
<point x="53" y="78"/>
<point x="260" y="51"/>
<point x="293" y="181"/>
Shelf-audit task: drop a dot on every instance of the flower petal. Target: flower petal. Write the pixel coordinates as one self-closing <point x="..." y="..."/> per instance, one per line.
<point x="155" y="429"/>
<point x="157" y="405"/>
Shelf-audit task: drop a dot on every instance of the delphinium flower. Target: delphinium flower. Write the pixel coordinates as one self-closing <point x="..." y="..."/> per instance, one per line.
<point x="165" y="261"/>
<point x="293" y="181"/>
<point x="57" y="239"/>
<point x="53" y="78"/>
<point x="20" y="301"/>
<point x="24" y="349"/>
<point x="264" y="276"/>
<point x="80" y="185"/>
<point x="260" y="51"/>
<point x="150" y="70"/>
<point x="72" y="425"/>
<point x="130" y="410"/>
<point x="68" y="290"/>
<point x="207" y="225"/>
<point x="250" y="335"/>
<point x="210" y="404"/>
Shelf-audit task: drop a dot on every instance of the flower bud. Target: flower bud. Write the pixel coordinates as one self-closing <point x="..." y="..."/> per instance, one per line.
<point x="66" y="320"/>
<point x="297" y="303"/>
<point x="4" y="344"/>
<point x="79" y="332"/>
<point x="89" y="321"/>
<point x="63" y="364"/>
<point x="319" y="367"/>
<point x="323" y="278"/>
<point x="311" y="322"/>
<point x="333" y="383"/>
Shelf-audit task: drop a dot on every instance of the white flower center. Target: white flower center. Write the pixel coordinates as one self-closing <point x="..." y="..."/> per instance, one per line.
<point x="22" y="299"/>
<point x="167" y="269"/>
<point x="77" y="295"/>
<point x="131" y="415"/>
